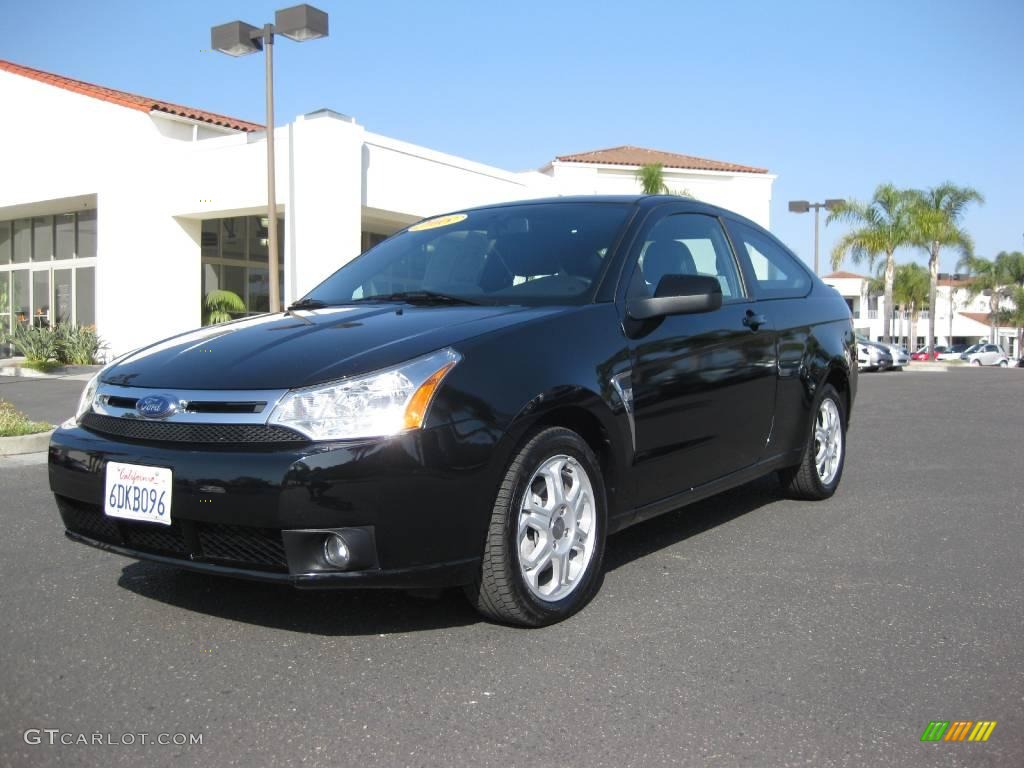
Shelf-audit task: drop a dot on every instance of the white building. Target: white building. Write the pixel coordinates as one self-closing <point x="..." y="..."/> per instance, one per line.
<point x="959" y="318"/>
<point x="124" y="211"/>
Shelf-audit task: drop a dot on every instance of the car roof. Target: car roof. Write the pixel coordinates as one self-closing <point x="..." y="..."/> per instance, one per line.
<point x="641" y="201"/>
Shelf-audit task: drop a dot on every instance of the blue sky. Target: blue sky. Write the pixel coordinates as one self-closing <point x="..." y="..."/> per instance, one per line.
<point x="834" y="98"/>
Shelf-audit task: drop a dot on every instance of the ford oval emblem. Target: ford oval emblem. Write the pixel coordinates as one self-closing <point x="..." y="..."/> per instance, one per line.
<point x="156" y="406"/>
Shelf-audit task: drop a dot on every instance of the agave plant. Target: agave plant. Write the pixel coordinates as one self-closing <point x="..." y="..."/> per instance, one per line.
<point x="220" y="304"/>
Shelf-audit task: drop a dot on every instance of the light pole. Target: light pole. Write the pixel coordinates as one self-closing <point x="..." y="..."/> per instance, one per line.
<point x="802" y="206"/>
<point x="236" y="38"/>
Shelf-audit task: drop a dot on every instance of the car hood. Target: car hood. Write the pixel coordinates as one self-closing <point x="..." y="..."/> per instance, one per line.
<point x="284" y="351"/>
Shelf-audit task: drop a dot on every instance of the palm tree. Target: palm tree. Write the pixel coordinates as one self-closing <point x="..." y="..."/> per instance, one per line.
<point x="881" y="226"/>
<point x="219" y="304"/>
<point x="986" y="278"/>
<point x="652" y="179"/>
<point x="1014" y="316"/>
<point x="910" y="289"/>
<point x="935" y="223"/>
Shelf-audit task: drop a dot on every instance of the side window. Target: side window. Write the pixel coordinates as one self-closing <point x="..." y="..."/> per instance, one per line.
<point x="776" y="273"/>
<point x="685" y="244"/>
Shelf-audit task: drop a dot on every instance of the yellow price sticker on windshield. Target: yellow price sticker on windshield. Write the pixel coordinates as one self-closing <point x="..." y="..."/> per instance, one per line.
<point x="440" y="221"/>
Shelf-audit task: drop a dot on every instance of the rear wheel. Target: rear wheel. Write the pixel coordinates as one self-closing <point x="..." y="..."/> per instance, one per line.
<point x="821" y="468"/>
<point x="544" y="551"/>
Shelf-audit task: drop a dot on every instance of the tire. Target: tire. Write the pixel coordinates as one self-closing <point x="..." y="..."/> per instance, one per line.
<point x="523" y="529"/>
<point x="1003" y="364"/>
<point x="804" y="481"/>
<point x="976" y="362"/>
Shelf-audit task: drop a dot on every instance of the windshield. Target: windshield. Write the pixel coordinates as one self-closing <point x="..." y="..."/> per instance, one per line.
<point x="541" y="254"/>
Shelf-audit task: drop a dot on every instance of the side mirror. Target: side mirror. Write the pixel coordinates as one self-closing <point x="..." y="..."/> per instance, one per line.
<point x="678" y="295"/>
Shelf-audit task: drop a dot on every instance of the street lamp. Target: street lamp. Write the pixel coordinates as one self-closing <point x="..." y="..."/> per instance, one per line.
<point x="236" y="38"/>
<point x="802" y="206"/>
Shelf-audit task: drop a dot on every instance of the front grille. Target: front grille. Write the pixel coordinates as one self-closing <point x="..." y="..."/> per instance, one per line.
<point x="154" y="537"/>
<point x="83" y="518"/>
<point x="172" y="432"/>
<point x="239" y="545"/>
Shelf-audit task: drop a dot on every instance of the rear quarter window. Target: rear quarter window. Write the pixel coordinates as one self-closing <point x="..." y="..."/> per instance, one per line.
<point x="775" y="273"/>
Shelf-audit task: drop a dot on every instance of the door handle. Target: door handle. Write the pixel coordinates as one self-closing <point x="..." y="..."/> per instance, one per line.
<point x="754" y="321"/>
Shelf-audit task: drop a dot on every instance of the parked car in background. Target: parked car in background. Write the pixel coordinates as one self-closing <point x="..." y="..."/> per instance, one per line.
<point x="900" y="356"/>
<point x="477" y="401"/>
<point x="986" y="354"/>
<point x="923" y="354"/>
<point x="872" y="356"/>
<point x="954" y="352"/>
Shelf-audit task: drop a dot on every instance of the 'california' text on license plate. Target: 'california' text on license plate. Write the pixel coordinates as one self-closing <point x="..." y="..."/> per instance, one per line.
<point x="135" y="492"/>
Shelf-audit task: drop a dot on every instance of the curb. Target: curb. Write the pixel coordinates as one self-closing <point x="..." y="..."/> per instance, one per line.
<point x="12" y="446"/>
<point x="68" y="373"/>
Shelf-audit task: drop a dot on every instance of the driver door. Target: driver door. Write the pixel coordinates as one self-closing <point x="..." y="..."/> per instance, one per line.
<point x="703" y="384"/>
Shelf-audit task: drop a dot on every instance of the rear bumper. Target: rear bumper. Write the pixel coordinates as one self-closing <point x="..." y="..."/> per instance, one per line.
<point x="417" y="507"/>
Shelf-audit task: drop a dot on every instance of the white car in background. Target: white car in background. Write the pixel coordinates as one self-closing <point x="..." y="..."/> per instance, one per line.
<point x="953" y="353"/>
<point x="986" y="354"/>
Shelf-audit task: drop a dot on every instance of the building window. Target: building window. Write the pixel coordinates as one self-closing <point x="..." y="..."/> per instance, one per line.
<point x="42" y="238"/>
<point x="41" y="283"/>
<point x="234" y="255"/>
<point x="64" y="236"/>
<point x="5" y="242"/>
<point x="86" y="231"/>
<point x="22" y="241"/>
<point x="85" y="296"/>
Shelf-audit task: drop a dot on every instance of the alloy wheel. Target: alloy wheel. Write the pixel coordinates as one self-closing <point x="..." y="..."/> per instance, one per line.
<point x="557" y="528"/>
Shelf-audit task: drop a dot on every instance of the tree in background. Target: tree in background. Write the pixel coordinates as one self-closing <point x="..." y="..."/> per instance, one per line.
<point x="935" y="216"/>
<point x="220" y="304"/>
<point x="909" y="292"/>
<point x="880" y="227"/>
<point x="652" y="181"/>
<point x="986" y="279"/>
<point x="910" y="289"/>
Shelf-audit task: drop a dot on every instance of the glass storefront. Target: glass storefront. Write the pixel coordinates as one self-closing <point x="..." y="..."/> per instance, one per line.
<point x="47" y="270"/>
<point x="235" y="258"/>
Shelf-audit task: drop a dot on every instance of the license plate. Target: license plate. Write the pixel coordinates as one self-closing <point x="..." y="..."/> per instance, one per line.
<point x="135" y="492"/>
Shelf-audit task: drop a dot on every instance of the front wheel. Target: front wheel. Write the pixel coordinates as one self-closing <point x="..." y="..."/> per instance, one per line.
<point x="820" y="469"/>
<point x="544" y="551"/>
<point x="1003" y="364"/>
<point x="976" y="362"/>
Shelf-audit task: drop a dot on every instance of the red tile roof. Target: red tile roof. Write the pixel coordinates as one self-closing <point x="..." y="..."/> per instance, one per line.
<point x="627" y="155"/>
<point x="963" y="282"/>
<point x="978" y="317"/>
<point x="130" y="100"/>
<point x="847" y="275"/>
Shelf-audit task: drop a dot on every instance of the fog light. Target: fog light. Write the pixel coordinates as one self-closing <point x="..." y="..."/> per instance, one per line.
<point x="336" y="551"/>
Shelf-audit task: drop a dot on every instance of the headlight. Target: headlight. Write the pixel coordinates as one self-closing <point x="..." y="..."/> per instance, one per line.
<point x="379" y="404"/>
<point x="85" y="401"/>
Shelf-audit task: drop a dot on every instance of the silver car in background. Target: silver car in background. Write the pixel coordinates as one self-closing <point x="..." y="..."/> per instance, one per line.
<point x="872" y="356"/>
<point x="986" y="354"/>
<point x="900" y="356"/>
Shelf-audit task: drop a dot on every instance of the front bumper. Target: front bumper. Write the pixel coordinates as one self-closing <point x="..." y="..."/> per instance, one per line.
<point x="421" y="502"/>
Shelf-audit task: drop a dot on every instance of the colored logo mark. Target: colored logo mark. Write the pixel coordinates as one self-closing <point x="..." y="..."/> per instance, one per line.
<point x="958" y="730"/>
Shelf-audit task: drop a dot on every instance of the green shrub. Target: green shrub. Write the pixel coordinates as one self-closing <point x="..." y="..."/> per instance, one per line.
<point x="78" y="344"/>
<point x="46" y="348"/>
<point x="14" y="423"/>
<point x="37" y="344"/>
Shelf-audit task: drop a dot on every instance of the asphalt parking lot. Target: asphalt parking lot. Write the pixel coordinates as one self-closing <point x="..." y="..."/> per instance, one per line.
<point x="745" y="630"/>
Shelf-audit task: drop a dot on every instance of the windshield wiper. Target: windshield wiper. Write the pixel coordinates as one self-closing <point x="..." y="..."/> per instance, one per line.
<point x="307" y="303"/>
<point x="426" y="298"/>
